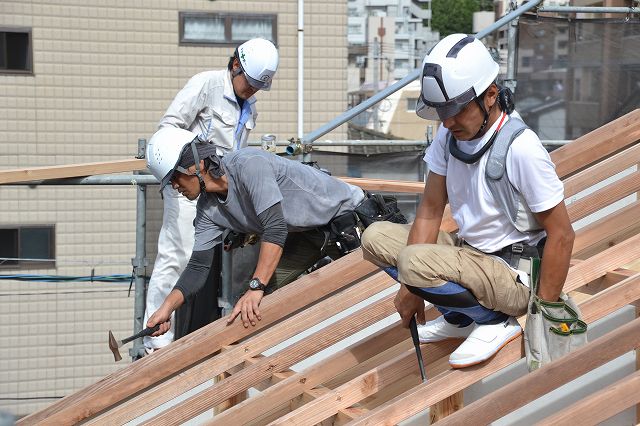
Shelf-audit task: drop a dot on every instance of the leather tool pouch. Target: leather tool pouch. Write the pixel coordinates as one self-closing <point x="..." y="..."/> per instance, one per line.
<point x="345" y="231"/>
<point x="376" y="207"/>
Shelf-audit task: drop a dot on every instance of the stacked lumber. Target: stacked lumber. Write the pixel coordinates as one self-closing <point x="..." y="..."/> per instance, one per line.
<point x="376" y="380"/>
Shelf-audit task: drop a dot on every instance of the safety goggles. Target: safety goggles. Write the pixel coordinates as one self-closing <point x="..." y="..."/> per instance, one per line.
<point x="432" y="83"/>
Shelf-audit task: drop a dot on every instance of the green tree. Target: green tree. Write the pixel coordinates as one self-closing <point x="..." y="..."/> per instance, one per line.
<point x="455" y="16"/>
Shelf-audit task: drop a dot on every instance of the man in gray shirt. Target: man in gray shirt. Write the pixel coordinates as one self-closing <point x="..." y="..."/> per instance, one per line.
<point x="248" y="191"/>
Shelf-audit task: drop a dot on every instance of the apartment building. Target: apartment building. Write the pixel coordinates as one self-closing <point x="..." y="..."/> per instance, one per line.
<point x="82" y="81"/>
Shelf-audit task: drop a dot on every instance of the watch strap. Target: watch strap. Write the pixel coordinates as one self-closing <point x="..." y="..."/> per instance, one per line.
<point x="261" y="286"/>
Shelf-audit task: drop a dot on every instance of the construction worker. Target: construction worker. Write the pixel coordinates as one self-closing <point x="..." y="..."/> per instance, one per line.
<point x="503" y="193"/>
<point x="219" y="106"/>
<point x="289" y="205"/>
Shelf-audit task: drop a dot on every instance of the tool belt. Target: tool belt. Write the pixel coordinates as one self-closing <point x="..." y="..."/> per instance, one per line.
<point x="517" y="255"/>
<point x="238" y="239"/>
<point x="377" y="207"/>
<point x="346" y="229"/>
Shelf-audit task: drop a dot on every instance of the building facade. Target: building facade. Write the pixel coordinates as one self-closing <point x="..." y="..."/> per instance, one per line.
<point x="387" y="40"/>
<point x="82" y="81"/>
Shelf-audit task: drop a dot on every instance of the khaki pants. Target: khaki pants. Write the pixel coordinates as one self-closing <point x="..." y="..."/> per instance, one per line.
<point x="491" y="281"/>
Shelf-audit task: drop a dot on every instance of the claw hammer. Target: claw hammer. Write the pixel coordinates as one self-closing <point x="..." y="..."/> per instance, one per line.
<point x="413" y="327"/>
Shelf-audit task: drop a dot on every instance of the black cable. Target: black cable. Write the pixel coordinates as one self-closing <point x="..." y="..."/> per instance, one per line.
<point x="29" y="398"/>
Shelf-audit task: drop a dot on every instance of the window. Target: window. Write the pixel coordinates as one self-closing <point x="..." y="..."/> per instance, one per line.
<point x="225" y="28"/>
<point x="15" y="50"/>
<point x="355" y="29"/>
<point x="32" y="246"/>
<point x="411" y="104"/>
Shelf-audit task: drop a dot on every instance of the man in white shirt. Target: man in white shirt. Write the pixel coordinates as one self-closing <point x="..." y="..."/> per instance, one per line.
<point x="508" y="207"/>
<point x="218" y="106"/>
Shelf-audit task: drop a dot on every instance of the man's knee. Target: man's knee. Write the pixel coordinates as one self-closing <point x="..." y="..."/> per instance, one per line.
<point x="414" y="270"/>
<point x="374" y="235"/>
<point x="378" y="241"/>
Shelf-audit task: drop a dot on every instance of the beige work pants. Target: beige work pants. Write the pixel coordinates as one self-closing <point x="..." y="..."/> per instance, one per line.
<point x="488" y="278"/>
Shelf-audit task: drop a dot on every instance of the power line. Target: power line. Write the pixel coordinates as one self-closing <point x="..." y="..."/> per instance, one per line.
<point x="53" y="293"/>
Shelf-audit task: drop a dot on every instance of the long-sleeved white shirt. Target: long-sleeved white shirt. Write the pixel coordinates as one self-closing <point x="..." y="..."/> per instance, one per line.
<point x="208" y="107"/>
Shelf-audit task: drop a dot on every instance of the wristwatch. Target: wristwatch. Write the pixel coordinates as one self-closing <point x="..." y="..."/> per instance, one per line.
<point x="255" y="284"/>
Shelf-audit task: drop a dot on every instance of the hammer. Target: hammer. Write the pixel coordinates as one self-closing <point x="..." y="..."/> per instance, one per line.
<point x="115" y="345"/>
<point x="392" y="271"/>
<point x="413" y="327"/>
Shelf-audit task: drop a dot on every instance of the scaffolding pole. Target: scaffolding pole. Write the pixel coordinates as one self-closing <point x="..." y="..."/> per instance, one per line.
<point x="588" y="9"/>
<point x="349" y="114"/>
<point x="140" y="261"/>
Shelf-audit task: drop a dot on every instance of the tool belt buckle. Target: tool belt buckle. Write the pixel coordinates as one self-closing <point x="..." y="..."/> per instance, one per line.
<point x="517" y="248"/>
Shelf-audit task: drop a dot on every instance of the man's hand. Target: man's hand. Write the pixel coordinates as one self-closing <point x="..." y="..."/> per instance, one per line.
<point x="163" y="317"/>
<point x="248" y="308"/>
<point x="408" y="304"/>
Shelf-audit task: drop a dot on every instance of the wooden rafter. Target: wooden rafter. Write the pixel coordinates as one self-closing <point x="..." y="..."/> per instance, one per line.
<point x="70" y="170"/>
<point x="374" y="381"/>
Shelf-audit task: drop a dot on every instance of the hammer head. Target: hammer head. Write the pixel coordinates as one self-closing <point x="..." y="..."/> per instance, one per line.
<point x="113" y="345"/>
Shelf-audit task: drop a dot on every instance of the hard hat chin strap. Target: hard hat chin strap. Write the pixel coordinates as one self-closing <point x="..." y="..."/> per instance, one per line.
<point x="480" y="101"/>
<point x="203" y="189"/>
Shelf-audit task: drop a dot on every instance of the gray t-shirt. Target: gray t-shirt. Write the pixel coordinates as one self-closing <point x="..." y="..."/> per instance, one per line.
<point x="256" y="181"/>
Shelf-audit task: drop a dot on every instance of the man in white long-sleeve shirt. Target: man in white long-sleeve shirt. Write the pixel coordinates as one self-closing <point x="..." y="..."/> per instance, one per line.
<point x="219" y="106"/>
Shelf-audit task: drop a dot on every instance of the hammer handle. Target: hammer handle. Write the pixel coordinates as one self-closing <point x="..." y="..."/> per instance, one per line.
<point x="146" y="332"/>
<point x="413" y="327"/>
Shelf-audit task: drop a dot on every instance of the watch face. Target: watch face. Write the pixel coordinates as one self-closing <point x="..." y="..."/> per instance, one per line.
<point x="255" y="284"/>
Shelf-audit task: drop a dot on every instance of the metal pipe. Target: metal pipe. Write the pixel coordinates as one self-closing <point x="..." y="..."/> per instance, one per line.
<point x="512" y="49"/>
<point x="96" y="180"/>
<point x="300" y="68"/>
<point x="356" y="142"/>
<point x="349" y="114"/>
<point x="587" y="9"/>
<point x="226" y="283"/>
<point x="139" y="262"/>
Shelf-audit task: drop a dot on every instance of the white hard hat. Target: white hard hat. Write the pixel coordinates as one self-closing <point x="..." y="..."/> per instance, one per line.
<point x="457" y="70"/>
<point x="163" y="152"/>
<point x="259" y="61"/>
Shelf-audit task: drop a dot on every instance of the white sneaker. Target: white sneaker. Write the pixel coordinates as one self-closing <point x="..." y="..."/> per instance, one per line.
<point x="484" y="342"/>
<point x="439" y="329"/>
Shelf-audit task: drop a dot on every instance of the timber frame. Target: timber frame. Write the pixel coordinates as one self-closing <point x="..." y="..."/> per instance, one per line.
<point x="376" y="380"/>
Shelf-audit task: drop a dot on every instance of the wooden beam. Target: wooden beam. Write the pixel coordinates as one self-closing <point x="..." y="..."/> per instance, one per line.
<point x="246" y="351"/>
<point x="601" y="171"/>
<point x="363" y="386"/>
<point x="350" y="359"/>
<point x="599" y="406"/>
<point x="604" y="196"/>
<point x="71" y="170"/>
<point x="298" y="351"/>
<point x="597" y="144"/>
<point x="454" y="380"/>
<point x="202" y="343"/>
<point x="609" y="279"/>
<point x="544" y="380"/>
<point x="598" y="265"/>
<point x="599" y="232"/>
<point x="383" y="185"/>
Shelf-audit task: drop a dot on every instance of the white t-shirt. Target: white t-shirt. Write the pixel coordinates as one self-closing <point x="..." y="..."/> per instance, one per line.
<point x="479" y="217"/>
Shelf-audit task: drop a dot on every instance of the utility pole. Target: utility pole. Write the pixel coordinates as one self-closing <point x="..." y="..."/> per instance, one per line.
<point x="376" y="58"/>
<point x="381" y="33"/>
